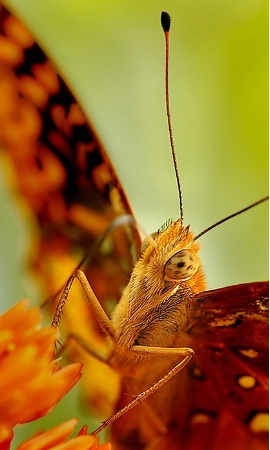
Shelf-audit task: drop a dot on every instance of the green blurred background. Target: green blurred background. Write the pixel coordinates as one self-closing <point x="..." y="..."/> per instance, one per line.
<point x="111" y="54"/>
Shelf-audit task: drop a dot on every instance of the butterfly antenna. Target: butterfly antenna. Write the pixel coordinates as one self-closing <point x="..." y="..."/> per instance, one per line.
<point x="166" y="23"/>
<point x="230" y="217"/>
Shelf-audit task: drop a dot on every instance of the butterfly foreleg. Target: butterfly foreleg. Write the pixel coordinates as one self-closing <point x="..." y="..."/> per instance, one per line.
<point x="150" y="352"/>
<point x="99" y="313"/>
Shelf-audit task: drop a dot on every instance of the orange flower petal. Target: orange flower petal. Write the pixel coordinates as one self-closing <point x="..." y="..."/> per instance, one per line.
<point x="55" y="438"/>
<point x="21" y="320"/>
<point x="31" y="382"/>
<point x="106" y="446"/>
<point x="50" y="438"/>
<point x="6" y="436"/>
<point x="87" y="442"/>
<point x="83" y="431"/>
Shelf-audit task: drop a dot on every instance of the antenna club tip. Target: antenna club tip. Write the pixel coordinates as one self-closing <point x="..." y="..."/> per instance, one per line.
<point x="165" y="21"/>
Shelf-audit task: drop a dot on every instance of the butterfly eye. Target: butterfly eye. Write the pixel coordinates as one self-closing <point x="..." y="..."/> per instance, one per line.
<point x="150" y="238"/>
<point x="182" y="266"/>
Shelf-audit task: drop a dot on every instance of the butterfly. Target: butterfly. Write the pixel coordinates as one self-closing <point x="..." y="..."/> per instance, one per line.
<point x="209" y="317"/>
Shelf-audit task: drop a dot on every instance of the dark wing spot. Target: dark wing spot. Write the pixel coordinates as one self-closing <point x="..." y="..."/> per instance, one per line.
<point x="235" y="398"/>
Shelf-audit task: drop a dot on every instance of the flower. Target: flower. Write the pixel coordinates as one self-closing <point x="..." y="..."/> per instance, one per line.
<point x="32" y="383"/>
<point x="55" y="438"/>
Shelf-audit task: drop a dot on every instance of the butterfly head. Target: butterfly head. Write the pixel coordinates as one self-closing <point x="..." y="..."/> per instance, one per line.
<point x="174" y="254"/>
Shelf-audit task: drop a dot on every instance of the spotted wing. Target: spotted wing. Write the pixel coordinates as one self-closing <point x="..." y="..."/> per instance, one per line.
<point x="228" y="378"/>
<point x="220" y="400"/>
<point x="64" y="177"/>
<point x="60" y="165"/>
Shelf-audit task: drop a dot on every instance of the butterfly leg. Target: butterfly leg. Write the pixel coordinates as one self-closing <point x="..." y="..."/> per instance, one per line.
<point x="151" y="417"/>
<point x="92" y="300"/>
<point x="83" y="344"/>
<point x="184" y="352"/>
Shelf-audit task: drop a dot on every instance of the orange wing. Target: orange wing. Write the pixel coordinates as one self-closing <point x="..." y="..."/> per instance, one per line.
<point x="65" y="176"/>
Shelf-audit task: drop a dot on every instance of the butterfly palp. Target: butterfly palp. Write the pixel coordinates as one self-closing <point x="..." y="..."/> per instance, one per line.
<point x="148" y="240"/>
